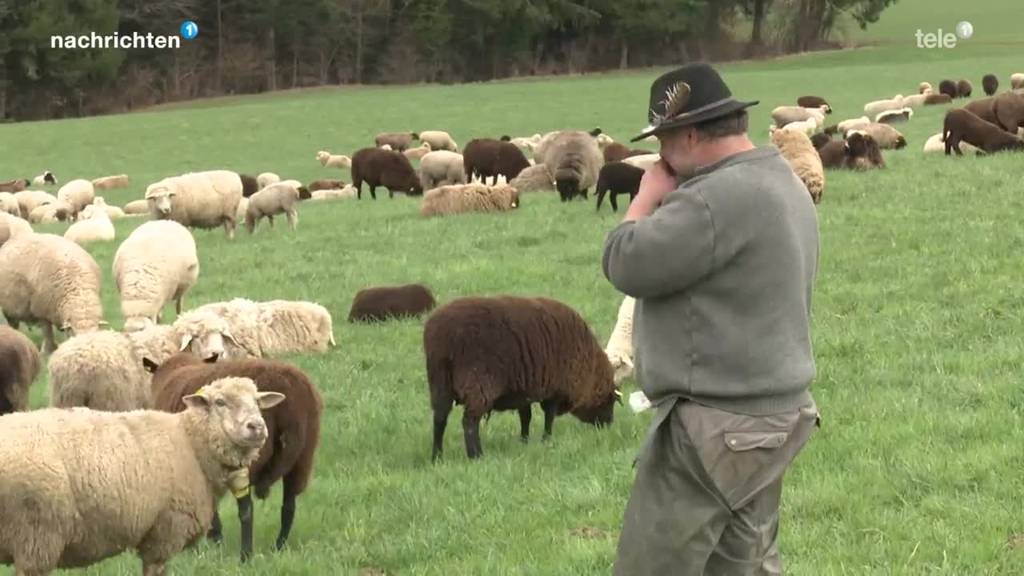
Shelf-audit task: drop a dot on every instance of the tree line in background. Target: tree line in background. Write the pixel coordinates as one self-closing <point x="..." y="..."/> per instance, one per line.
<point x="247" y="46"/>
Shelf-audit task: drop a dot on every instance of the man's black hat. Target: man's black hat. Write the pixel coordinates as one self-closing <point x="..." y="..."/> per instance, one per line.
<point x="688" y="95"/>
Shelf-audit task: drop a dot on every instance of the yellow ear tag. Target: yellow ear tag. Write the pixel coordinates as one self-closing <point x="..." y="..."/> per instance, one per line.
<point x="238" y="482"/>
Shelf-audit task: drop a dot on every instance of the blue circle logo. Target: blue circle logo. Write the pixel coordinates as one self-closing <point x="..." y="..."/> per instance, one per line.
<point x="189" y="30"/>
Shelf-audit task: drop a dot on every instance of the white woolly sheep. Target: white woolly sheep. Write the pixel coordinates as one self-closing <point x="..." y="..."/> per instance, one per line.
<point x="256" y="328"/>
<point x="110" y="182"/>
<point x="113" y="212"/>
<point x="925" y="88"/>
<point x="808" y="127"/>
<point x="463" y="198"/>
<point x="620" y="344"/>
<point x="442" y="168"/>
<point x="894" y="116"/>
<point x="643" y="161"/>
<point x="417" y="152"/>
<point x="914" y="100"/>
<point x="266" y="179"/>
<point x="9" y="204"/>
<point x="96" y="228"/>
<point x="853" y="123"/>
<point x="887" y="137"/>
<point x="198" y="199"/>
<point x="329" y="160"/>
<point x="439" y="140"/>
<point x="92" y="484"/>
<point x="136" y="208"/>
<point x="78" y="193"/>
<point x="12" y="226"/>
<point x="878" y="106"/>
<point x="575" y="160"/>
<point x="782" y="115"/>
<point x="534" y="179"/>
<point x="45" y="179"/>
<point x="156" y="264"/>
<point x="937" y="144"/>
<point x="803" y="158"/>
<point x="50" y="212"/>
<point x="52" y="281"/>
<point x="105" y="371"/>
<point x="348" y="192"/>
<point x="1017" y="80"/>
<point x="29" y="200"/>
<point x="280" y="198"/>
<point x="604" y="140"/>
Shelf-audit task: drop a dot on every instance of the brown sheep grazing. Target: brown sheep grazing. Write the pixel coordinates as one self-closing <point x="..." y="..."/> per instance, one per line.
<point x="398" y="141"/>
<point x="962" y="125"/>
<point x="250" y="185"/>
<point x="814" y="102"/>
<point x="618" y="178"/>
<point x="949" y="88"/>
<point x="858" y="152"/>
<point x="14" y="185"/>
<point x="616" y="152"/>
<point x="1008" y="109"/>
<point x="507" y="352"/>
<point x="964" y="89"/>
<point x="19" y="366"/>
<point x="326" y="185"/>
<point x="385" y="168"/>
<point x="934" y="99"/>
<point x="486" y="157"/>
<point x="983" y="108"/>
<point x="990" y="83"/>
<point x="293" y="428"/>
<point x="381" y="303"/>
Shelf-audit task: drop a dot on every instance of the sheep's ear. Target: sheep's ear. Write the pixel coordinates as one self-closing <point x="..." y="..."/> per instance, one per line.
<point x="268" y="399"/>
<point x="230" y="337"/>
<point x="150" y="366"/>
<point x="185" y="341"/>
<point x="197" y="400"/>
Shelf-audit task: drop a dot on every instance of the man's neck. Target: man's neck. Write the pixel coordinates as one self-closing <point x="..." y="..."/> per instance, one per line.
<point x="721" y="148"/>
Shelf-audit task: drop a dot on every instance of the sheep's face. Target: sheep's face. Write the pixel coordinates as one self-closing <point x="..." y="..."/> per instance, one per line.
<point x="622" y="365"/>
<point x="602" y="414"/>
<point x="211" y="345"/>
<point x="160" y="200"/>
<point x="234" y="404"/>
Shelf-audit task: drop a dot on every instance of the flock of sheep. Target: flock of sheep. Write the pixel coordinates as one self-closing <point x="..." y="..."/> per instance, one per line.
<point x="149" y="426"/>
<point x="199" y="406"/>
<point x="986" y="125"/>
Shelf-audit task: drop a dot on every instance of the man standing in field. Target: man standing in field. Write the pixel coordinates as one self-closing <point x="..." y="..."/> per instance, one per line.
<point x="720" y="250"/>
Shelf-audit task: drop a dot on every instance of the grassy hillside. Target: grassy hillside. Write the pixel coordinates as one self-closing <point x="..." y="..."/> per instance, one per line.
<point x="917" y="321"/>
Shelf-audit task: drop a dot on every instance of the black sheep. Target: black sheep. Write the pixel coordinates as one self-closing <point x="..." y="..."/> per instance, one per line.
<point x="387" y="168"/>
<point x="380" y="303"/>
<point x="990" y="83"/>
<point x="948" y="87"/>
<point x="293" y="427"/>
<point x="19" y="366"/>
<point x="507" y="352"/>
<point x="618" y="178"/>
<point x="487" y="157"/>
<point x="250" y="185"/>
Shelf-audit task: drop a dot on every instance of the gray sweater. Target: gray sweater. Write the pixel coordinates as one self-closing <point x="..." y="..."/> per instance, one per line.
<point x="723" y="273"/>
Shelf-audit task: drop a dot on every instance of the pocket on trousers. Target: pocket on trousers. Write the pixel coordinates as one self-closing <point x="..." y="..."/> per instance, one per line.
<point x="743" y="441"/>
